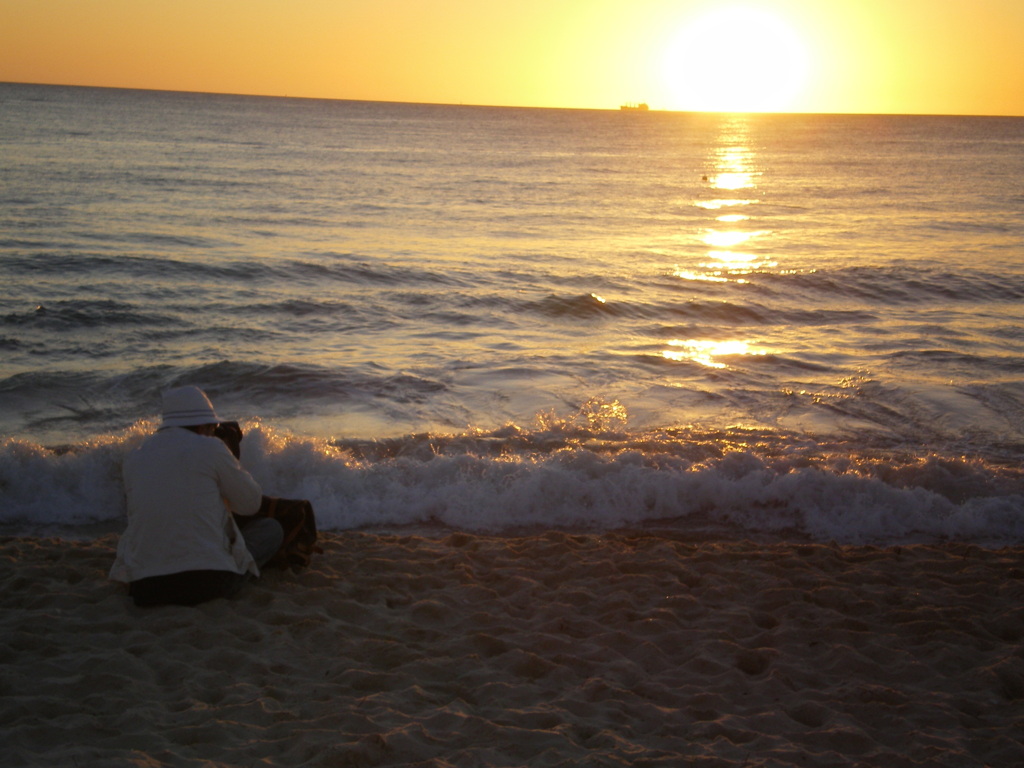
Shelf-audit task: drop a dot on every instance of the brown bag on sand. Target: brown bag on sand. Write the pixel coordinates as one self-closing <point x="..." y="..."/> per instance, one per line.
<point x="299" y="523"/>
<point x="295" y="515"/>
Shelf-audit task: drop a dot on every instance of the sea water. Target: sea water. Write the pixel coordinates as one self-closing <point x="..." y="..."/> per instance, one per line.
<point x="499" y="319"/>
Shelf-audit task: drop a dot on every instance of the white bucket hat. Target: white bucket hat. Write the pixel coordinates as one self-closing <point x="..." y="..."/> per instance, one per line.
<point x="187" y="407"/>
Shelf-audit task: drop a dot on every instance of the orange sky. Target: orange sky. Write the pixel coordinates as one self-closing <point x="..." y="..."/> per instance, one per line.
<point x="903" y="56"/>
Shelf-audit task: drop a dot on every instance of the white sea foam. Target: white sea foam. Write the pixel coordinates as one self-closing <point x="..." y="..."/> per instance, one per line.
<point x="557" y="479"/>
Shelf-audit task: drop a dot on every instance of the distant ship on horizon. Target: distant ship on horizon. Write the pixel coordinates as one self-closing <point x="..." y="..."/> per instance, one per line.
<point x="641" y="107"/>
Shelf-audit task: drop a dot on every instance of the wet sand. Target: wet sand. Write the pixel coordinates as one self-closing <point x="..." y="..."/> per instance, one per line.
<point x="550" y="650"/>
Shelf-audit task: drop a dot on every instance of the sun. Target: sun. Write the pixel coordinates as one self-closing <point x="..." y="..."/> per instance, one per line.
<point x="736" y="59"/>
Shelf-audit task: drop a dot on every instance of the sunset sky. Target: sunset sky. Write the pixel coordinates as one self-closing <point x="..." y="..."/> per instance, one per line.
<point x="883" y="56"/>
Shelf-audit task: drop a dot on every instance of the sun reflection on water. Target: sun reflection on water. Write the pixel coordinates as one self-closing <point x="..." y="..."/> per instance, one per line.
<point x="733" y="180"/>
<point x="729" y="238"/>
<point x="707" y="352"/>
<point x="733" y="167"/>
<point x="734" y="238"/>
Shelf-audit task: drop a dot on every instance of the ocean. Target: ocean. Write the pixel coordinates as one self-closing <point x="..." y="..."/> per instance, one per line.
<point x="489" y="319"/>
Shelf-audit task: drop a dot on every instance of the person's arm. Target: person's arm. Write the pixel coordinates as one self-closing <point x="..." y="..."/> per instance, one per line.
<point x="242" y="493"/>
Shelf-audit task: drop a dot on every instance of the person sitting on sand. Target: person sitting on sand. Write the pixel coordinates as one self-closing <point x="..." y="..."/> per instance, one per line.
<point x="182" y="545"/>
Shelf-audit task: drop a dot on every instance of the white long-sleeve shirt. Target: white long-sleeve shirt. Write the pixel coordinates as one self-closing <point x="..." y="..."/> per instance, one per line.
<point x="181" y="488"/>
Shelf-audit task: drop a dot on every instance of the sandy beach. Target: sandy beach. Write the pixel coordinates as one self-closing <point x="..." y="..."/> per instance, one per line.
<point x="552" y="650"/>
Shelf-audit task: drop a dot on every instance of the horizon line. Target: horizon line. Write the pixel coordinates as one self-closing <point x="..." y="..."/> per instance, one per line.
<point x="508" y="106"/>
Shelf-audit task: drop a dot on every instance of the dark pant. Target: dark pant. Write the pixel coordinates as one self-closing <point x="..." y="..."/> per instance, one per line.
<point x="262" y="537"/>
<point x="185" y="588"/>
